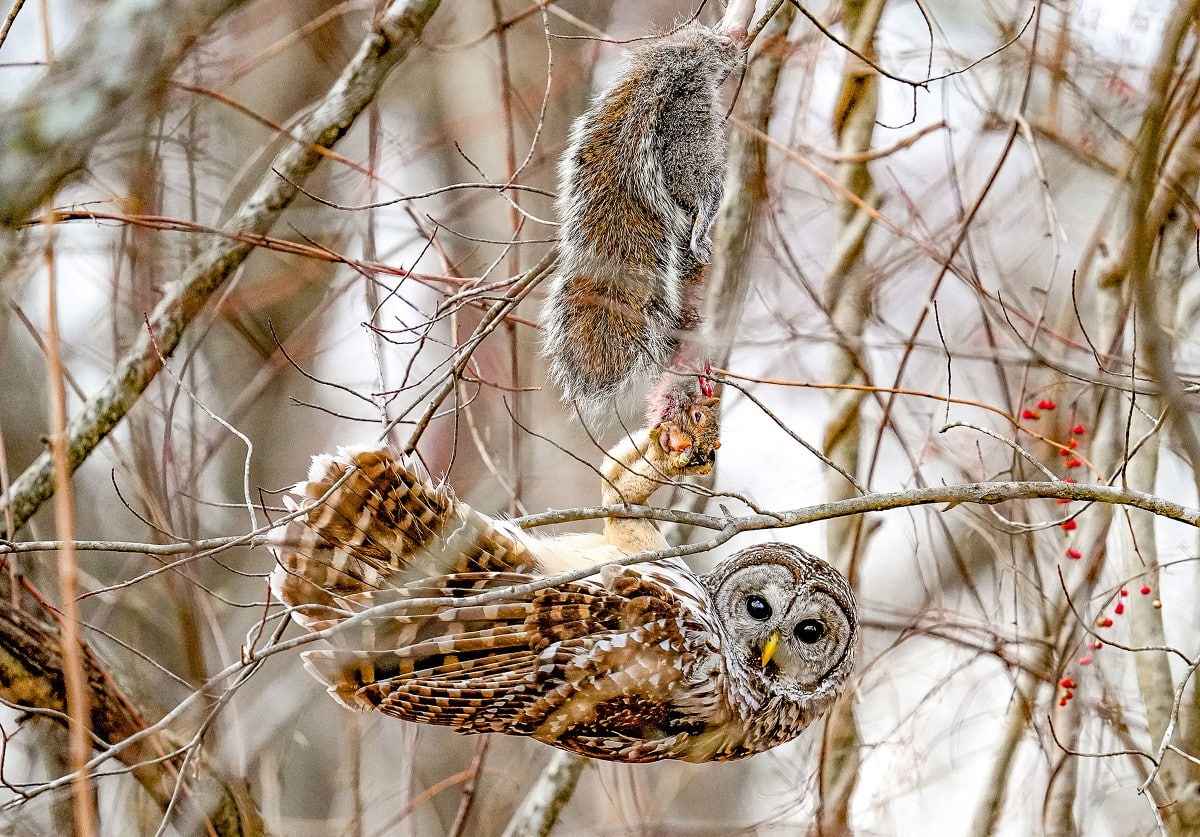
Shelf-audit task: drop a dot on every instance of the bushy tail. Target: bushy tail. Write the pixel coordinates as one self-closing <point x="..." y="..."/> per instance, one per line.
<point x="603" y="340"/>
<point x="379" y="522"/>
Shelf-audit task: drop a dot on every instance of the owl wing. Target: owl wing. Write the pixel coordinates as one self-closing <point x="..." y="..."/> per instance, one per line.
<point x="380" y="521"/>
<point x="603" y="667"/>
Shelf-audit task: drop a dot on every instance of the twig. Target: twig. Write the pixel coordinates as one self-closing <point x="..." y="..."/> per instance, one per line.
<point x="29" y="655"/>
<point x="110" y="68"/>
<point x="391" y="39"/>
<point x="75" y="684"/>
<point x="540" y="809"/>
<point x="1158" y="347"/>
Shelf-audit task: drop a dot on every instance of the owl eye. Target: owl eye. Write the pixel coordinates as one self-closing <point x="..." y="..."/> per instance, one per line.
<point x="758" y="608"/>
<point x="810" y="631"/>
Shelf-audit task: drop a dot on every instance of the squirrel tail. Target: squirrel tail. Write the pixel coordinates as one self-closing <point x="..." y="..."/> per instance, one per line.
<point x="602" y="340"/>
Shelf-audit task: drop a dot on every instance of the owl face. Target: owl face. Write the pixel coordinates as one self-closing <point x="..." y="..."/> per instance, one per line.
<point x="790" y="617"/>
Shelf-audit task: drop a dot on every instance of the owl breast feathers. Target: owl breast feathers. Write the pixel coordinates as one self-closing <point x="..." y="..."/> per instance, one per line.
<point x="636" y="663"/>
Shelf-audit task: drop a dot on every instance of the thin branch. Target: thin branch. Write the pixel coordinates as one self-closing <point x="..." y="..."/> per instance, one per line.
<point x="74" y="683"/>
<point x="1158" y="346"/>
<point x="540" y="809"/>
<point x="111" y="67"/>
<point x="389" y="42"/>
<point x="31" y="676"/>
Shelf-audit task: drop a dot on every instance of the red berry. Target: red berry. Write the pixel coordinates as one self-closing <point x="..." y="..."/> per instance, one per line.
<point x="1145" y="591"/>
<point x="1073" y="463"/>
<point x="1085" y="660"/>
<point x="1119" y="609"/>
<point x="1063" y="452"/>
<point x="1062" y="701"/>
<point x="1069" y="695"/>
<point x="1074" y="554"/>
<point x="1124" y="592"/>
<point x="1067" y="683"/>
<point x="1070" y="525"/>
<point x="1070" y="479"/>
<point x="1106" y="623"/>
<point x="1046" y="405"/>
<point x="1077" y="430"/>
<point x="1072" y="442"/>
<point x="1030" y="414"/>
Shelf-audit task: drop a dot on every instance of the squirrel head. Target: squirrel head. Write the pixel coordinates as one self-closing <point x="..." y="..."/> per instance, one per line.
<point x="684" y="421"/>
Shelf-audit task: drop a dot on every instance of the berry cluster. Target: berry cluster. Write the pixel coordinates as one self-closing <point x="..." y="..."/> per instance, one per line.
<point x="1069" y="685"/>
<point x="1070" y="461"/>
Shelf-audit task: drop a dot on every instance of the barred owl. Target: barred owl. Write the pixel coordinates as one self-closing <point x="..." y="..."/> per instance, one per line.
<point x="636" y="663"/>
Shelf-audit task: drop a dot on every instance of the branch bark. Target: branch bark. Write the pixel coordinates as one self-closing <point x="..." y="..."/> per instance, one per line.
<point x="31" y="675"/>
<point x="1155" y="217"/>
<point x="555" y="786"/>
<point x="745" y="191"/>
<point x="1157" y="345"/>
<point x="848" y="299"/>
<point x="1140" y="544"/>
<point x="126" y="51"/>
<point x="388" y="42"/>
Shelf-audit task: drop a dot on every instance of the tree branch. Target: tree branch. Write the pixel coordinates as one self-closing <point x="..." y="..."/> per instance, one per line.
<point x="1158" y="347"/>
<point x="31" y="676"/>
<point x="126" y="51"/>
<point x="385" y="45"/>
<point x="540" y="809"/>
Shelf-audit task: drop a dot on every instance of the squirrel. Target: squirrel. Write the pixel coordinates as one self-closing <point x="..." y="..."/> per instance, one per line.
<point x="641" y="182"/>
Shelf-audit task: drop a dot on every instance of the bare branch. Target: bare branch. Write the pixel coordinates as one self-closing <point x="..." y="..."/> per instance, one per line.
<point x="118" y="58"/>
<point x="388" y="43"/>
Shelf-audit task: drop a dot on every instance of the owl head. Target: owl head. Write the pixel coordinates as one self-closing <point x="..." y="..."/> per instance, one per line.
<point x="791" y="619"/>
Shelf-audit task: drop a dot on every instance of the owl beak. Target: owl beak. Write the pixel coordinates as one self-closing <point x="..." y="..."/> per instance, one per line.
<point x="769" y="647"/>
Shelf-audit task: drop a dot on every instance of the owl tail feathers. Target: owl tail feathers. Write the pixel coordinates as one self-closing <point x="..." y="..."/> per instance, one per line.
<point x="375" y="505"/>
<point x="374" y="523"/>
<point x="370" y="511"/>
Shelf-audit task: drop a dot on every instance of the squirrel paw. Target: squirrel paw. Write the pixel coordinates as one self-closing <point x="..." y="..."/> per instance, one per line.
<point x="701" y="244"/>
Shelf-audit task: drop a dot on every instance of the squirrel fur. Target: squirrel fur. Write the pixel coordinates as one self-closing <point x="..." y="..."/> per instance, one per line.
<point x="641" y="182"/>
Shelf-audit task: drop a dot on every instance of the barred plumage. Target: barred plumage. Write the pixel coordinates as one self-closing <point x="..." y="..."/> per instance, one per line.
<point x="636" y="663"/>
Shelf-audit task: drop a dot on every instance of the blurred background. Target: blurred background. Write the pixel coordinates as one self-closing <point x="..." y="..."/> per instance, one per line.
<point x="943" y="225"/>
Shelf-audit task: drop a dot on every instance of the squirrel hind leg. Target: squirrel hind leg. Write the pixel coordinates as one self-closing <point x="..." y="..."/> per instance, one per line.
<point x="706" y="216"/>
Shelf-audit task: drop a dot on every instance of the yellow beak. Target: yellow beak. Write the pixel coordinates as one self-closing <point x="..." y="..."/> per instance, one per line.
<point x="770" y="647"/>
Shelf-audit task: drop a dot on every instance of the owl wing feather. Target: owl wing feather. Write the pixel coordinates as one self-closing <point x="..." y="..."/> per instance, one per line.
<point x="594" y="666"/>
<point x="630" y="697"/>
<point x="626" y="665"/>
<point x="437" y="666"/>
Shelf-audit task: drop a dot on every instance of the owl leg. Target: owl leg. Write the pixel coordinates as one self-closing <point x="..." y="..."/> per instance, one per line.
<point x="681" y="440"/>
